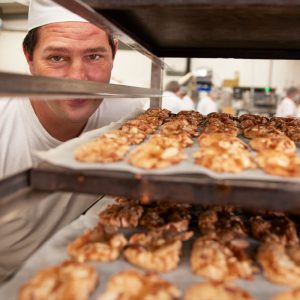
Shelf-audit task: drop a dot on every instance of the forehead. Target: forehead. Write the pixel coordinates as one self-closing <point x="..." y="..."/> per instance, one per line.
<point x="72" y="32"/>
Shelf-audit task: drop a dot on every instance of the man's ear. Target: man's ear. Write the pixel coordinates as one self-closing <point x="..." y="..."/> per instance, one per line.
<point x="28" y="59"/>
<point x="116" y="43"/>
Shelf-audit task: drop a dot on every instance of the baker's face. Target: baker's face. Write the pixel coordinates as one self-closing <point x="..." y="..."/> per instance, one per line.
<point x="77" y="50"/>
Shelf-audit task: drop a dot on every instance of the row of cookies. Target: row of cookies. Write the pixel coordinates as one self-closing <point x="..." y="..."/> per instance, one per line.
<point x="220" y="148"/>
<point x="276" y="153"/>
<point x="213" y="254"/>
<point x="113" y="145"/>
<point x="164" y="148"/>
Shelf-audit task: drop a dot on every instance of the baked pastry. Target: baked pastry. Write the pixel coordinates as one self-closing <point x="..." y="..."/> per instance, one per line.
<point x="279" y="163"/>
<point x="224" y="161"/>
<point x="216" y="290"/>
<point x="69" y="280"/>
<point x="152" y="156"/>
<point x="180" y="140"/>
<point x="157" y="250"/>
<point x="179" y="125"/>
<point x="124" y="200"/>
<point x="122" y="216"/>
<point x="262" y="131"/>
<point x="158" y="112"/>
<point x="216" y="128"/>
<point x="166" y="213"/>
<point x="222" y="225"/>
<point x="220" y="262"/>
<point x="288" y="295"/>
<point x="106" y="149"/>
<point x="221" y="141"/>
<point x="278" y="264"/>
<point x="272" y="228"/>
<point x="277" y="143"/>
<point x="133" y="285"/>
<point x="97" y="244"/>
<point x="293" y="132"/>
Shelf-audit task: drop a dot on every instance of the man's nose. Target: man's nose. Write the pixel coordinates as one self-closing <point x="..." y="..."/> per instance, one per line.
<point x="77" y="70"/>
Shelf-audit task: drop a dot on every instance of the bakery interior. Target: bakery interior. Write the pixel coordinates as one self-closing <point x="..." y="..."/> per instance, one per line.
<point x="217" y="226"/>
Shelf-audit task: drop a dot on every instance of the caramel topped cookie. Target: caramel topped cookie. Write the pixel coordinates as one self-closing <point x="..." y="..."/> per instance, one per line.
<point x="133" y="285"/>
<point x="97" y="244"/>
<point x="69" y="280"/>
<point x="216" y="291"/>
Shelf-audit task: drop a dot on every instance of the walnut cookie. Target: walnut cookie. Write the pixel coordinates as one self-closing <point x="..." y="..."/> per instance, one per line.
<point x="97" y="244"/>
<point x="133" y="285"/>
<point x="218" y="261"/>
<point x="280" y="263"/>
<point x="69" y="280"/>
<point x="214" y="290"/>
<point x="156" y="250"/>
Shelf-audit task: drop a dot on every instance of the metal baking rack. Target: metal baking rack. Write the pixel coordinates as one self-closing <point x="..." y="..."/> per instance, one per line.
<point x="189" y="188"/>
<point x="186" y="28"/>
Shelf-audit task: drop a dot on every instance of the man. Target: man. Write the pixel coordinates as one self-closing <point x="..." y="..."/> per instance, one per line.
<point x="186" y="101"/>
<point x="170" y="99"/>
<point x="208" y="104"/>
<point x="288" y="106"/>
<point x="59" y="44"/>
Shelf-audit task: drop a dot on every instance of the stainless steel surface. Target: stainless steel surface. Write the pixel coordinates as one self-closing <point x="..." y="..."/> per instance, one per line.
<point x="85" y="11"/>
<point x="14" y="183"/>
<point x="156" y="83"/>
<point x="60" y="88"/>
<point x="189" y="188"/>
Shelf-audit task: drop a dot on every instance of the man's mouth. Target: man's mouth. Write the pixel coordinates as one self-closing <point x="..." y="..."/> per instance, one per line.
<point x="76" y="102"/>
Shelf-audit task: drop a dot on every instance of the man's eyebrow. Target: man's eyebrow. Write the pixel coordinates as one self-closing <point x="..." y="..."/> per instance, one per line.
<point x="58" y="49"/>
<point x="96" y="49"/>
<point x="67" y="50"/>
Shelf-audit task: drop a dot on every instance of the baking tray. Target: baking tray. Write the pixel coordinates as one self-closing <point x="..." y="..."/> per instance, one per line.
<point x="183" y="182"/>
<point x="54" y="252"/>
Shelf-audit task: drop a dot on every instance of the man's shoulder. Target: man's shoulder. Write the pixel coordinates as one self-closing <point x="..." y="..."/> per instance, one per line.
<point x="7" y="103"/>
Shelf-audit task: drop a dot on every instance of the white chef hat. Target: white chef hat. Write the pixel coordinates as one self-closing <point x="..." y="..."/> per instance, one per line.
<point x="42" y="12"/>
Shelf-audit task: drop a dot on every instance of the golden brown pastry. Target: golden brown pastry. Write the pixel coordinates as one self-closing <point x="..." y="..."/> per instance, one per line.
<point x="216" y="291"/>
<point x="158" y="250"/>
<point x="277" y="143"/>
<point x="133" y="285"/>
<point x="218" y="261"/>
<point x="279" y="163"/>
<point x="279" y="263"/>
<point x="273" y="228"/>
<point x="152" y="156"/>
<point x="69" y="280"/>
<point x="224" y="161"/>
<point x="97" y="244"/>
<point x="122" y="216"/>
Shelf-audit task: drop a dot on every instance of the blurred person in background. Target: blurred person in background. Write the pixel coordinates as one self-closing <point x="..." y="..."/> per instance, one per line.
<point x="288" y="106"/>
<point x="208" y="104"/>
<point x="186" y="102"/>
<point x="170" y="98"/>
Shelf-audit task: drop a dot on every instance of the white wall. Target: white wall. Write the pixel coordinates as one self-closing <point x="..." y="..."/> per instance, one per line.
<point x="132" y="68"/>
<point x="11" y="54"/>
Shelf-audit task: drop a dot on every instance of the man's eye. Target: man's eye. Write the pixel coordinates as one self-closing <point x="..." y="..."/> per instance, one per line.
<point x="56" y="58"/>
<point x="94" y="57"/>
